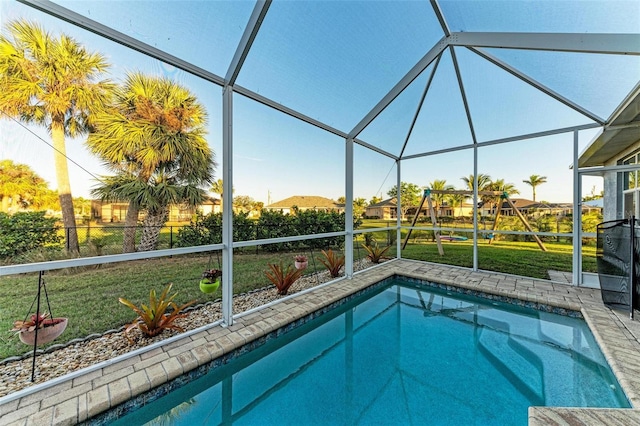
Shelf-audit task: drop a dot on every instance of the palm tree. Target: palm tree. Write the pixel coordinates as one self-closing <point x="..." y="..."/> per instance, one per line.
<point x="152" y="137"/>
<point x="162" y="189"/>
<point x="52" y="82"/>
<point x="535" y="180"/>
<point x="483" y="181"/>
<point x="439" y="185"/>
<point x="505" y="188"/>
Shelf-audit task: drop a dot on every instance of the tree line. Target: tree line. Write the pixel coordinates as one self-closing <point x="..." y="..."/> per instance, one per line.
<point x="411" y="194"/>
<point x="149" y="131"/>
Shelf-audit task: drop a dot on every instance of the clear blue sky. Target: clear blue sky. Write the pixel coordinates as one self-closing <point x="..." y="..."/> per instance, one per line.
<point x="334" y="61"/>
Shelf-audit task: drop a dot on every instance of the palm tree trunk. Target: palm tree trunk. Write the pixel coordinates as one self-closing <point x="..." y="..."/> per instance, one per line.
<point x="153" y="223"/>
<point x="5" y="204"/>
<point x="64" y="187"/>
<point x="130" y="225"/>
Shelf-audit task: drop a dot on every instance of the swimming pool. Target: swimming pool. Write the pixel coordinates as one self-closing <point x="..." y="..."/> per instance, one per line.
<point x="403" y="353"/>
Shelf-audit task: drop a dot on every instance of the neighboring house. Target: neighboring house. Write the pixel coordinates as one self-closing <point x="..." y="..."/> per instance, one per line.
<point x="618" y="145"/>
<point x="446" y="210"/>
<point x="385" y="209"/>
<point x="593" y="204"/>
<point x="117" y="212"/>
<point x="305" y="202"/>
<point x="522" y="204"/>
<point x="537" y="209"/>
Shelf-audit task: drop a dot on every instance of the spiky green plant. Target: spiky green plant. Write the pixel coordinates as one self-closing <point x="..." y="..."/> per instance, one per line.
<point x="154" y="319"/>
<point x="375" y="253"/>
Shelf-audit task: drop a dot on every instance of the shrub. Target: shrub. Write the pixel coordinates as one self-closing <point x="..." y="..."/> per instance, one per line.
<point x="281" y="278"/>
<point x="26" y="231"/>
<point x="154" y="319"/>
<point x="319" y="222"/>
<point x="197" y="233"/>
<point x="208" y="230"/>
<point x="271" y="224"/>
<point x="375" y="253"/>
<point x="275" y="224"/>
<point x="333" y="262"/>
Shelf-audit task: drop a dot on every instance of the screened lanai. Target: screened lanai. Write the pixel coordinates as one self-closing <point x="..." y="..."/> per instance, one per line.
<point x="315" y="117"/>
<point x="353" y="99"/>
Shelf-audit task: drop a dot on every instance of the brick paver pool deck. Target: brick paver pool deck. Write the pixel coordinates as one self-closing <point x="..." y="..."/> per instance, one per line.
<point x="81" y="395"/>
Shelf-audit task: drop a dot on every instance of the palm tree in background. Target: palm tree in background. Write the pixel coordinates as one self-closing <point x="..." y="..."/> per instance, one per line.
<point x="438" y="199"/>
<point x="54" y="83"/>
<point x="153" y="138"/>
<point x="483" y="182"/>
<point x="505" y="188"/>
<point x="534" y="181"/>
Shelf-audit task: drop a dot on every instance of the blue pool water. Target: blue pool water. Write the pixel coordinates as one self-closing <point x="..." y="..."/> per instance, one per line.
<point x="403" y="354"/>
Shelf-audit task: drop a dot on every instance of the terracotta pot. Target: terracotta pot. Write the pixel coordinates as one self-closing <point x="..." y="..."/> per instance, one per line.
<point x="46" y="334"/>
<point x="208" y="287"/>
<point x="301" y="265"/>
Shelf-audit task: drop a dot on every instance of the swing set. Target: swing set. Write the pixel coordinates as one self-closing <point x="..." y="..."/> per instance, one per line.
<point x="426" y="196"/>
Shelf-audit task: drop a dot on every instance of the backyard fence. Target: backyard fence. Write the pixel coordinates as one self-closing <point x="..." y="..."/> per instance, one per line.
<point x="98" y="240"/>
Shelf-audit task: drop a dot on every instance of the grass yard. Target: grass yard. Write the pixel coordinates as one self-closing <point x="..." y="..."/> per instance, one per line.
<point x="517" y="258"/>
<point x="89" y="296"/>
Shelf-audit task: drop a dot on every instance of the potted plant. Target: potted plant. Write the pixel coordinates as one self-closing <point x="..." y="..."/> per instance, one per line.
<point x="48" y="329"/>
<point x="210" y="280"/>
<point x="301" y="261"/>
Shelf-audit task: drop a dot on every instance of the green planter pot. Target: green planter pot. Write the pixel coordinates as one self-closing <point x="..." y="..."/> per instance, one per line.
<point x="208" y="287"/>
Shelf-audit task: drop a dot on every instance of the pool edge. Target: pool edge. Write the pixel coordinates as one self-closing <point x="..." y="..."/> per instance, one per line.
<point x="79" y="399"/>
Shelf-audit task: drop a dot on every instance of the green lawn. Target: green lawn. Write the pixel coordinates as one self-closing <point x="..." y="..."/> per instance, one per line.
<point x="517" y="258"/>
<point x="89" y="296"/>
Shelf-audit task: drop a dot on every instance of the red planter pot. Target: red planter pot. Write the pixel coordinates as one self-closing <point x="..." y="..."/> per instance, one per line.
<point x="301" y="265"/>
<point x="46" y="334"/>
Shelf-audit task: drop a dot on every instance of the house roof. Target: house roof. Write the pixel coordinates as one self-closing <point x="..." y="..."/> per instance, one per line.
<point x="622" y="132"/>
<point x="599" y="202"/>
<point x="304" y="201"/>
<point x="389" y="202"/>
<point x="519" y="202"/>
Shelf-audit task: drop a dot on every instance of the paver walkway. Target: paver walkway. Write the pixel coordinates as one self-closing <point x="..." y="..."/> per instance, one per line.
<point x="560" y="276"/>
<point x="82" y="395"/>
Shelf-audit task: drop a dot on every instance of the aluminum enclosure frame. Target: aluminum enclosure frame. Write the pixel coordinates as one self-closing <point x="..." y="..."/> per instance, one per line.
<point x="627" y="44"/>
